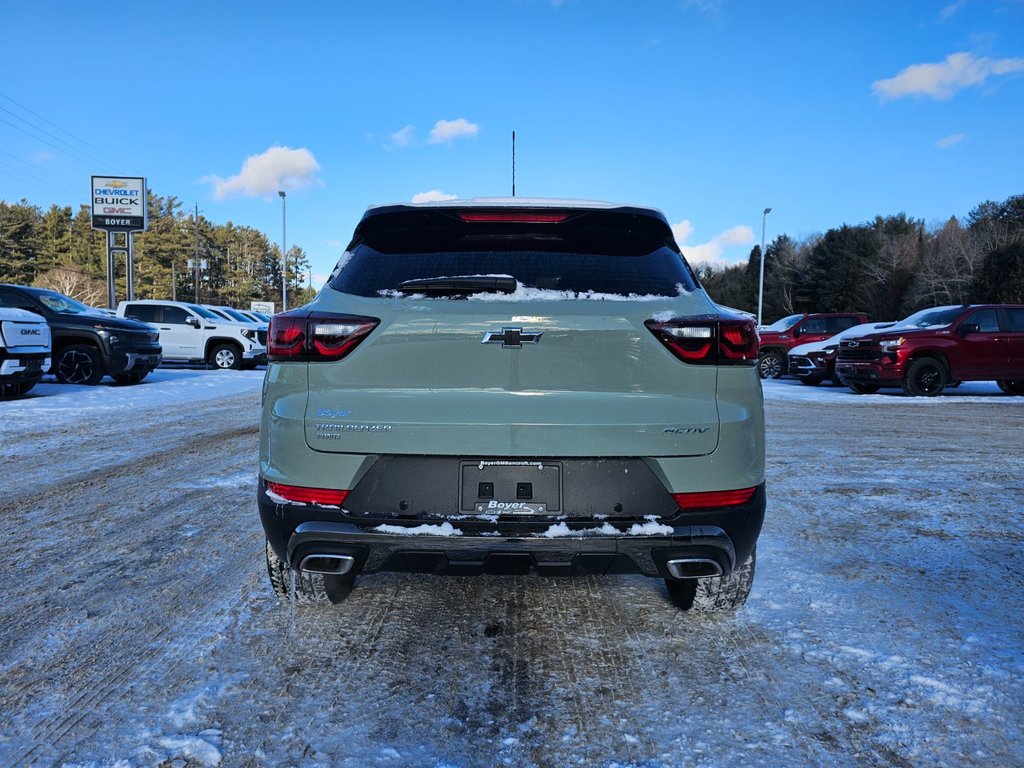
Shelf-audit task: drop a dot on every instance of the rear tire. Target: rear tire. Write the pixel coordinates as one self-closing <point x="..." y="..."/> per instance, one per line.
<point x="771" y="365"/>
<point x="79" y="364"/>
<point x="310" y="588"/>
<point x="226" y="357"/>
<point x="1012" y="387"/>
<point x="715" y="594"/>
<point x="926" y="377"/>
<point x="864" y="389"/>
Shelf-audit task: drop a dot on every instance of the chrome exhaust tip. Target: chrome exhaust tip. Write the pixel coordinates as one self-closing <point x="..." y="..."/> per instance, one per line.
<point x="330" y="565"/>
<point x="693" y="568"/>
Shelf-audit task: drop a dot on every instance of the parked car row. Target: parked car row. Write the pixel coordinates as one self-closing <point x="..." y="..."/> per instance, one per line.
<point x="43" y="331"/>
<point x="194" y="333"/>
<point x="923" y="354"/>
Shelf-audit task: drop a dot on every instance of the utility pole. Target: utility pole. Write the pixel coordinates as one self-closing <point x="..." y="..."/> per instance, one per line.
<point x="284" y="256"/>
<point x="174" y="283"/>
<point x="760" y="278"/>
<point x="195" y="260"/>
<point x="513" y="163"/>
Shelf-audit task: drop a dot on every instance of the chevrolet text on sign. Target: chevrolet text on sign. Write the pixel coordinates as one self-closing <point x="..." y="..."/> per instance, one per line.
<point x="118" y="203"/>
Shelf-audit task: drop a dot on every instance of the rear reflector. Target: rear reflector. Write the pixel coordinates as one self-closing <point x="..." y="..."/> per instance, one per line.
<point x="713" y="499"/>
<point x="302" y="495"/>
<point x="301" y="335"/>
<point x="515" y="218"/>
<point x="709" y="340"/>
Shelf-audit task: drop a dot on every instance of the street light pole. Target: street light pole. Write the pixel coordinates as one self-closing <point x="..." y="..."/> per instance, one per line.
<point x="284" y="255"/>
<point x="760" y="278"/>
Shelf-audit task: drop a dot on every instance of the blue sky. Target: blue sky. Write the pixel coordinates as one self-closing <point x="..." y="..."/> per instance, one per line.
<point x="827" y="112"/>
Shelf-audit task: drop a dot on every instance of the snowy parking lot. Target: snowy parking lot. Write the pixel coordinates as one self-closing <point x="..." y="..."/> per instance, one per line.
<point x="137" y="627"/>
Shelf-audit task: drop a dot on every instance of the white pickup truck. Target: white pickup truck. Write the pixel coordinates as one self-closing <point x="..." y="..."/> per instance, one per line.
<point x="192" y="333"/>
<point x="24" y="351"/>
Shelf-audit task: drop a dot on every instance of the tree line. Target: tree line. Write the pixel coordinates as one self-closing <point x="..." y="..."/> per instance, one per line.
<point x="58" y="249"/>
<point x="888" y="268"/>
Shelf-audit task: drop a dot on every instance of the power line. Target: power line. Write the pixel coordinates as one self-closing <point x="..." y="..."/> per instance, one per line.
<point x="62" y="130"/>
<point x="34" y="169"/>
<point x="35" y="179"/>
<point x="48" y="143"/>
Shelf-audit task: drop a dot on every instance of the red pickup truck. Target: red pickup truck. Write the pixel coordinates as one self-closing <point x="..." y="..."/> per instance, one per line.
<point x="782" y="335"/>
<point x="937" y="347"/>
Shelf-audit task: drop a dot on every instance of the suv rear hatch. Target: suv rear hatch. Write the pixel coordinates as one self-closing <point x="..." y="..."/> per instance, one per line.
<point x="513" y="332"/>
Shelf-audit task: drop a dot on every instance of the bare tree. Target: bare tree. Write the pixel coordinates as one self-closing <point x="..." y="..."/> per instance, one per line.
<point x="946" y="273"/>
<point x="74" y="283"/>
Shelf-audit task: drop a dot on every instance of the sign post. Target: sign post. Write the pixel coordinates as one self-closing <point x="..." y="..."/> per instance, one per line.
<point x="119" y="207"/>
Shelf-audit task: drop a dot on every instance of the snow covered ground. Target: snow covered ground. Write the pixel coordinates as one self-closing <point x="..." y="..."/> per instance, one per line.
<point x="137" y="627"/>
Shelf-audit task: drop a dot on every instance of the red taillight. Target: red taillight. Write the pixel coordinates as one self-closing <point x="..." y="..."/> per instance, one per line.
<point x="713" y="499"/>
<point x="302" y="335"/>
<point x="709" y="341"/>
<point x="518" y="217"/>
<point x="302" y="495"/>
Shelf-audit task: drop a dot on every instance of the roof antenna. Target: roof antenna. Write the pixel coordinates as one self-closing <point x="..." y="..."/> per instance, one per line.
<point x="513" y="163"/>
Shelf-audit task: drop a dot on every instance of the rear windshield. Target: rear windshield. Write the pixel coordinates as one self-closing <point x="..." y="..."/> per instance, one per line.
<point x="662" y="272"/>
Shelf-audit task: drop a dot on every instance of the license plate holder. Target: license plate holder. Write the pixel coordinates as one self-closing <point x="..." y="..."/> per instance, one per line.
<point x="510" y="487"/>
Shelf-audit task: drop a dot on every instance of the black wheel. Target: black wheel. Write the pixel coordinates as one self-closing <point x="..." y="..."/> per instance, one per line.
<point x="132" y="377"/>
<point x="926" y="377"/>
<point x="79" y="364"/>
<point x="811" y="381"/>
<point x="771" y="365"/>
<point x="310" y="588"/>
<point x="226" y="357"/>
<point x="864" y="389"/>
<point x="1012" y="387"/>
<point x="715" y="594"/>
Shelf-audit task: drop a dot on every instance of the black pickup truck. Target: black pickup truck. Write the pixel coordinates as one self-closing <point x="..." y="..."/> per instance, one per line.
<point x="87" y="343"/>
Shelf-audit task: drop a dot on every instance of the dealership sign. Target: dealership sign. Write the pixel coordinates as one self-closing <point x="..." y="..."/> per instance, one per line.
<point x="119" y="203"/>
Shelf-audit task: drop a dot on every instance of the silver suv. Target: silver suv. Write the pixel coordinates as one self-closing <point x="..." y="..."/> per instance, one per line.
<point x="513" y="386"/>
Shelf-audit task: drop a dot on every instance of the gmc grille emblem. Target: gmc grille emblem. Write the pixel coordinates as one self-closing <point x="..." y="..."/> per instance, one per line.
<point x="513" y="338"/>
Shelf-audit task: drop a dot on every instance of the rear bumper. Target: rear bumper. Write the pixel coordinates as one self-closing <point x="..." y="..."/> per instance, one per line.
<point x="472" y="546"/>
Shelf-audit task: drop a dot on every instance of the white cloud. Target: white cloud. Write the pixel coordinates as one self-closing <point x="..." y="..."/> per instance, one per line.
<point x="713" y="251"/>
<point x="42" y="156"/>
<point x="739" y="235"/>
<point x="950" y="9"/>
<point x="404" y="137"/>
<point x="445" y="131"/>
<point x="948" y="141"/>
<point x="943" y="80"/>
<point x="433" y="196"/>
<point x="279" y="168"/>
<point x="682" y="231"/>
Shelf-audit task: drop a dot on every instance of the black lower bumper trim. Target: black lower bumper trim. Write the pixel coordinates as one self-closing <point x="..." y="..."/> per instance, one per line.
<point x="475" y="555"/>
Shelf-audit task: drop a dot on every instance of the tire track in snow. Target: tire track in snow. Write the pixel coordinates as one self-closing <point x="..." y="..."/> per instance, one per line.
<point x="97" y="662"/>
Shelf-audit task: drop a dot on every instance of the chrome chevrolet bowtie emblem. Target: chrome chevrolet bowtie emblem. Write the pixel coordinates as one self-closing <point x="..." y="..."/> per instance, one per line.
<point x="511" y="337"/>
